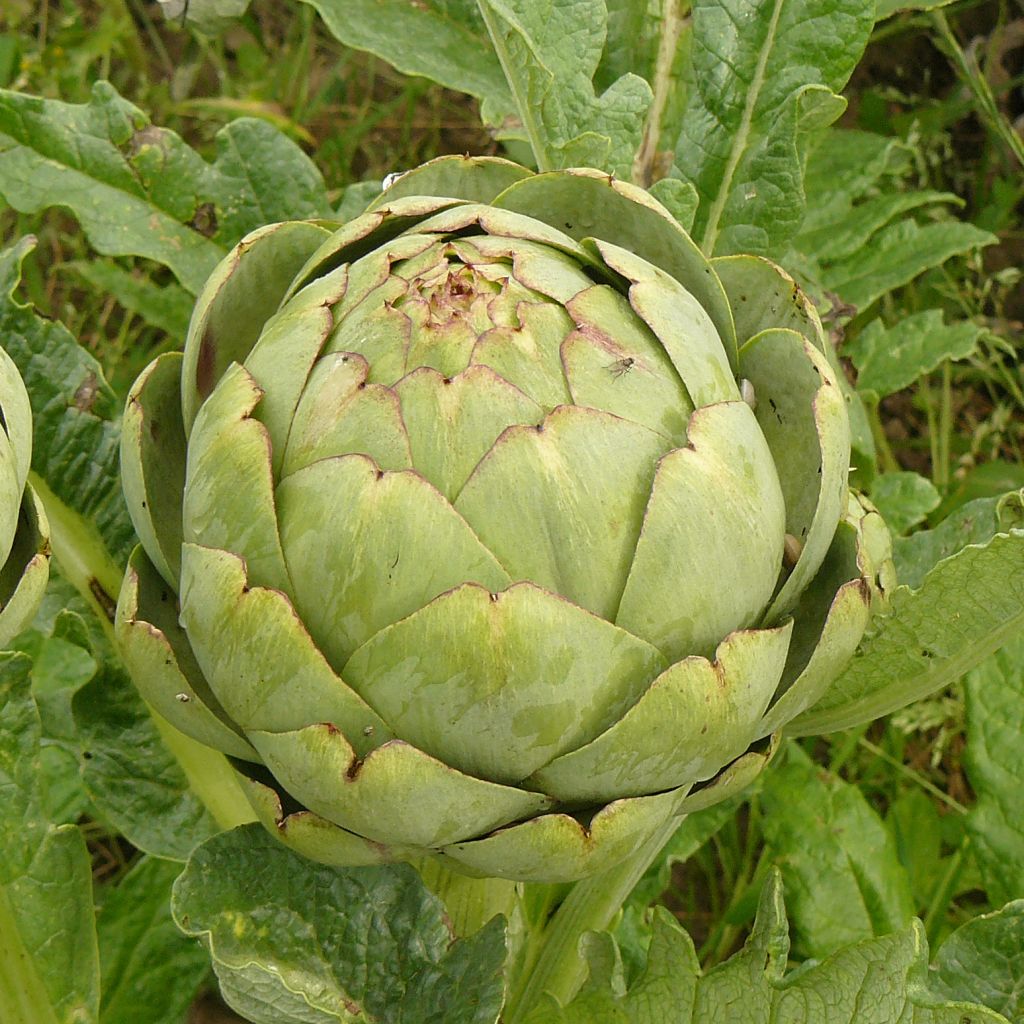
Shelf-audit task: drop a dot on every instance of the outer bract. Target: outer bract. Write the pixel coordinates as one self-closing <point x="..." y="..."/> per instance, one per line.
<point x="496" y="525"/>
<point x="24" y="535"/>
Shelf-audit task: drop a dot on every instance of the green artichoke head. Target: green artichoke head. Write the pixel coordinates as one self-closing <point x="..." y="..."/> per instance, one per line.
<point x="24" y="535"/>
<point x="496" y="525"/>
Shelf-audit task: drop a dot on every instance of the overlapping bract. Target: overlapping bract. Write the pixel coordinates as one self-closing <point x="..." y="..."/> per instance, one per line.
<point x="497" y="524"/>
<point x="24" y="534"/>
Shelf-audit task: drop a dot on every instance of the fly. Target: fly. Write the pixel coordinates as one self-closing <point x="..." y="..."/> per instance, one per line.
<point x="622" y="366"/>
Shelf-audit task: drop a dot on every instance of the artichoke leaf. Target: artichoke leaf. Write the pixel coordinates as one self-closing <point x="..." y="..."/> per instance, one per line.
<point x="158" y="656"/>
<point x="310" y="835"/>
<point x="802" y="414"/>
<point x="396" y="794"/>
<point x="243" y="291"/>
<point x="340" y="414"/>
<point x="681" y="324"/>
<point x="16" y="412"/>
<point x="25" y="573"/>
<point x="614" y="362"/>
<point x="11" y="489"/>
<point x="367" y="547"/>
<point x="497" y="685"/>
<point x="475" y="179"/>
<point x="829" y="621"/>
<point x="571" y="493"/>
<point x="689" y="586"/>
<point x="540" y="268"/>
<point x="731" y="780"/>
<point x="229" y="485"/>
<point x="153" y="462"/>
<point x="695" y="717"/>
<point x="280" y="364"/>
<point x="590" y="204"/>
<point x="528" y="356"/>
<point x="512" y="229"/>
<point x="763" y="295"/>
<point x="363" y="235"/>
<point x="378" y="332"/>
<point x="258" y="658"/>
<point x="561" y="848"/>
<point x="452" y="422"/>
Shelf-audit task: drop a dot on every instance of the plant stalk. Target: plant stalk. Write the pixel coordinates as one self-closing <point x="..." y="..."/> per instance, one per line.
<point x="672" y="25"/>
<point x="942" y="474"/>
<point x="557" y="968"/>
<point x="978" y="84"/>
<point x="470" y="902"/>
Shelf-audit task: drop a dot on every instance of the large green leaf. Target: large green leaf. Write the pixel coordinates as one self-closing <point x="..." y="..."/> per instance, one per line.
<point x="131" y="774"/>
<point x="834" y="853"/>
<point x="764" y="73"/>
<point x="983" y="960"/>
<point x="550" y="53"/>
<point x="858" y="238"/>
<point x="896" y="255"/>
<point x="968" y="606"/>
<point x="974" y="522"/>
<point x="49" y="966"/>
<point x="76" y="438"/>
<point x="444" y="40"/>
<point x="294" y="941"/>
<point x="150" y="971"/>
<point x="139" y="190"/>
<point x="888" y="360"/>
<point x="995" y="766"/>
<point x="875" y="981"/>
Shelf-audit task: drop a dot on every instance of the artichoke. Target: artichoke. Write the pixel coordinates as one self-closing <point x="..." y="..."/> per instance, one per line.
<point x="24" y="535"/>
<point x="496" y="525"/>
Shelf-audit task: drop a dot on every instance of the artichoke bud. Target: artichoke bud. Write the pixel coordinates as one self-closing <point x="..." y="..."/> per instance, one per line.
<point x="24" y="534"/>
<point x="484" y="548"/>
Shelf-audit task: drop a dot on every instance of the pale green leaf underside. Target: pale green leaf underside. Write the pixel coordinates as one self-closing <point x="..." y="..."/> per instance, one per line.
<point x="444" y="40"/>
<point x="969" y="605"/>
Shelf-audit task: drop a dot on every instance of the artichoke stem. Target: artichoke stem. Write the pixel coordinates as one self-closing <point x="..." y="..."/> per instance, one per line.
<point x="554" y="965"/>
<point x="469" y="902"/>
<point x="209" y="776"/>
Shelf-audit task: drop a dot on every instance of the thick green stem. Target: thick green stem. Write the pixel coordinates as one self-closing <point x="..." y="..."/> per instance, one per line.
<point x="81" y="554"/>
<point x="209" y="777"/>
<point x="470" y="902"/>
<point x="556" y="967"/>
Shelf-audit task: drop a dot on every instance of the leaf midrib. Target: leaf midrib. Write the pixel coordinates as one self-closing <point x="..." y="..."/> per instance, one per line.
<point x="739" y="142"/>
